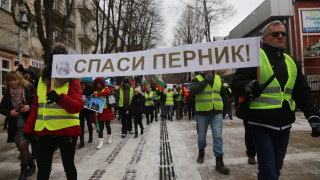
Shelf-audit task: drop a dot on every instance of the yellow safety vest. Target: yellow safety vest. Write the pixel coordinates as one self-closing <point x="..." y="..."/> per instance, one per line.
<point x="179" y="97"/>
<point x="104" y="97"/>
<point x="169" y="98"/>
<point x="147" y="96"/>
<point x="209" y="98"/>
<point x="120" y="103"/>
<point x="156" y="96"/>
<point x="272" y="97"/>
<point x="52" y="116"/>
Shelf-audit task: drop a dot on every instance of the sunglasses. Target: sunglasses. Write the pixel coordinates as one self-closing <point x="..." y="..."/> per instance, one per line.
<point x="276" y="34"/>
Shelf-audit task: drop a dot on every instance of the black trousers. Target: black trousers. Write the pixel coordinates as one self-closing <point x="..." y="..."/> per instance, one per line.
<point x="101" y="127"/>
<point x="126" y="120"/>
<point x="45" y="149"/>
<point x="149" y="114"/>
<point x="251" y="150"/>
<point x="137" y="121"/>
<point x="85" y="116"/>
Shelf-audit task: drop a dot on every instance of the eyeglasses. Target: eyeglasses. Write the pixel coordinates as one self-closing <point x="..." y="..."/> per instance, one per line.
<point x="276" y="34"/>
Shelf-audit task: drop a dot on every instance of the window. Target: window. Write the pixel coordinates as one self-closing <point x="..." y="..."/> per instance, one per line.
<point x="84" y="50"/>
<point x="70" y="34"/>
<point x="4" y="70"/>
<point x="5" y="4"/>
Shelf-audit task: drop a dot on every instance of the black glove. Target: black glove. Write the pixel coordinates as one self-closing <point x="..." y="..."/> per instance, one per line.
<point x="253" y="87"/>
<point x="53" y="97"/>
<point x="315" y="125"/>
<point x="27" y="136"/>
<point x="209" y="79"/>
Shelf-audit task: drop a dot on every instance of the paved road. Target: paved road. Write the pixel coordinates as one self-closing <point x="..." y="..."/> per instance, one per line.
<point x="168" y="150"/>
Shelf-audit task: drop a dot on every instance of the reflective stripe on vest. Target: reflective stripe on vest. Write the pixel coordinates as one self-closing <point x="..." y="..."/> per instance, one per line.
<point x="209" y="98"/>
<point x="104" y="97"/>
<point x="272" y="97"/>
<point x="52" y="116"/>
<point x="169" y="98"/>
<point x="147" y="96"/>
<point x="121" y="97"/>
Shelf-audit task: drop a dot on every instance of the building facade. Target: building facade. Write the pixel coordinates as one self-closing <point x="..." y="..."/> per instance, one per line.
<point x="80" y="39"/>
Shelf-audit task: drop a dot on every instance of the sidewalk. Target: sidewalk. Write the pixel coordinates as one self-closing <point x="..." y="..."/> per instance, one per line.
<point x="168" y="150"/>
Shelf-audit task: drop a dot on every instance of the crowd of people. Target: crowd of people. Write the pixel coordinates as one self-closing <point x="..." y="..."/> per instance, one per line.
<point x="49" y="114"/>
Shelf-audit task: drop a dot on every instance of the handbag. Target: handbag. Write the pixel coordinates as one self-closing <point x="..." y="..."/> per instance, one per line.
<point x="242" y="110"/>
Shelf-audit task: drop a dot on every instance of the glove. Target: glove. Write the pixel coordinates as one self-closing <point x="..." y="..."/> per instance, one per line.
<point x="209" y="79"/>
<point x="27" y="136"/>
<point x="127" y="112"/>
<point x="53" y="97"/>
<point x="254" y="88"/>
<point x="315" y="125"/>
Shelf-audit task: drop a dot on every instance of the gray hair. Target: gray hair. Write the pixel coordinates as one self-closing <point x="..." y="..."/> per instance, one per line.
<point x="273" y="23"/>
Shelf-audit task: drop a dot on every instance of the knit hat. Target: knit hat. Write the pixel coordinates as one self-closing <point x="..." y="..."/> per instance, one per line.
<point x="225" y="84"/>
<point x="138" y="89"/>
<point x="126" y="81"/>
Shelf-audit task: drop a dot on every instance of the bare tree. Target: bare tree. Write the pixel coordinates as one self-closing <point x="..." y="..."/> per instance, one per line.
<point x="212" y="11"/>
<point x="190" y="28"/>
<point x="45" y="21"/>
<point x="130" y="25"/>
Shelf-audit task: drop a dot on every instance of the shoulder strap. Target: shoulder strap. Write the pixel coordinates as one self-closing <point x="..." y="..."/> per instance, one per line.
<point x="263" y="86"/>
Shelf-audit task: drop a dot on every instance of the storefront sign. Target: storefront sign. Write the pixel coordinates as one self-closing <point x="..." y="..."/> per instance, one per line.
<point x="35" y="63"/>
<point x="311" y="20"/>
<point x="224" y="54"/>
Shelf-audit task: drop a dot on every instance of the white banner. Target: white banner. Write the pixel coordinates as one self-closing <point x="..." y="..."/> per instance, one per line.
<point x="224" y="54"/>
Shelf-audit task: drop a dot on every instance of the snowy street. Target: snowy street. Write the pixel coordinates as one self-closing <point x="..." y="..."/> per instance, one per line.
<point x="168" y="150"/>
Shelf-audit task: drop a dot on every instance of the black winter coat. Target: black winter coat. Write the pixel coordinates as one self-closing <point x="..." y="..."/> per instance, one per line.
<point x="6" y="106"/>
<point x="301" y="93"/>
<point x="138" y="104"/>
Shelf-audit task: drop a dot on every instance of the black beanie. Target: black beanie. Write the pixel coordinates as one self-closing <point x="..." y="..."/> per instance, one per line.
<point x="126" y="81"/>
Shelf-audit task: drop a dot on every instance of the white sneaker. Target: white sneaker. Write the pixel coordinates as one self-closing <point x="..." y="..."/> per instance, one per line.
<point x="100" y="143"/>
<point x="109" y="141"/>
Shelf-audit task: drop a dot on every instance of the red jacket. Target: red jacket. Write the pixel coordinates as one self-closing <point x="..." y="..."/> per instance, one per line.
<point x="107" y="114"/>
<point x="71" y="102"/>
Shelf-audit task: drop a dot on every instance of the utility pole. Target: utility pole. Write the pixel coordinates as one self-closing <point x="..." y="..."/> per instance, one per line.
<point x="23" y="21"/>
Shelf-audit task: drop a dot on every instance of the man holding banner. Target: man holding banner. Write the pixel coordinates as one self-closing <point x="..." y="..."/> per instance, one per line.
<point x="209" y="93"/>
<point x="272" y="111"/>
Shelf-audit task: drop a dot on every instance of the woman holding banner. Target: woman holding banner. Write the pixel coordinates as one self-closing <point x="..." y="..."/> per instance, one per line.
<point x="54" y="117"/>
<point x="101" y="90"/>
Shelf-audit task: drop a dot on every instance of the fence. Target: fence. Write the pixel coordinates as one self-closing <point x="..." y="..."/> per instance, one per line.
<point x="314" y="83"/>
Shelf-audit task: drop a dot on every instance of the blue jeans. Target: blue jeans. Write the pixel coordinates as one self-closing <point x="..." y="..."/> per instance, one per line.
<point x="271" y="146"/>
<point x="169" y="111"/>
<point x="215" y="122"/>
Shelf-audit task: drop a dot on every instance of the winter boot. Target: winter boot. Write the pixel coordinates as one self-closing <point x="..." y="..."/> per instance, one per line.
<point x="100" y="143"/>
<point x="200" y="156"/>
<point x="23" y="172"/>
<point x="32" y="168"/>
<point x="220" y="165"/>
<point x="135" y="133"/>
<point x="90" y="137"/>
<point x="109" y="141"/>
<point x="141" y="131"/>
<point x="81" y="144"/>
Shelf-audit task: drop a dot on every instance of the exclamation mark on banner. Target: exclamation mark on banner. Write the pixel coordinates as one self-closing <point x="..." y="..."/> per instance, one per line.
<point x="248" y="52"/>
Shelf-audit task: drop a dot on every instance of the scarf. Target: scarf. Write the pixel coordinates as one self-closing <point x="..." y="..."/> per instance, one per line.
<point x="17" y="95"/>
